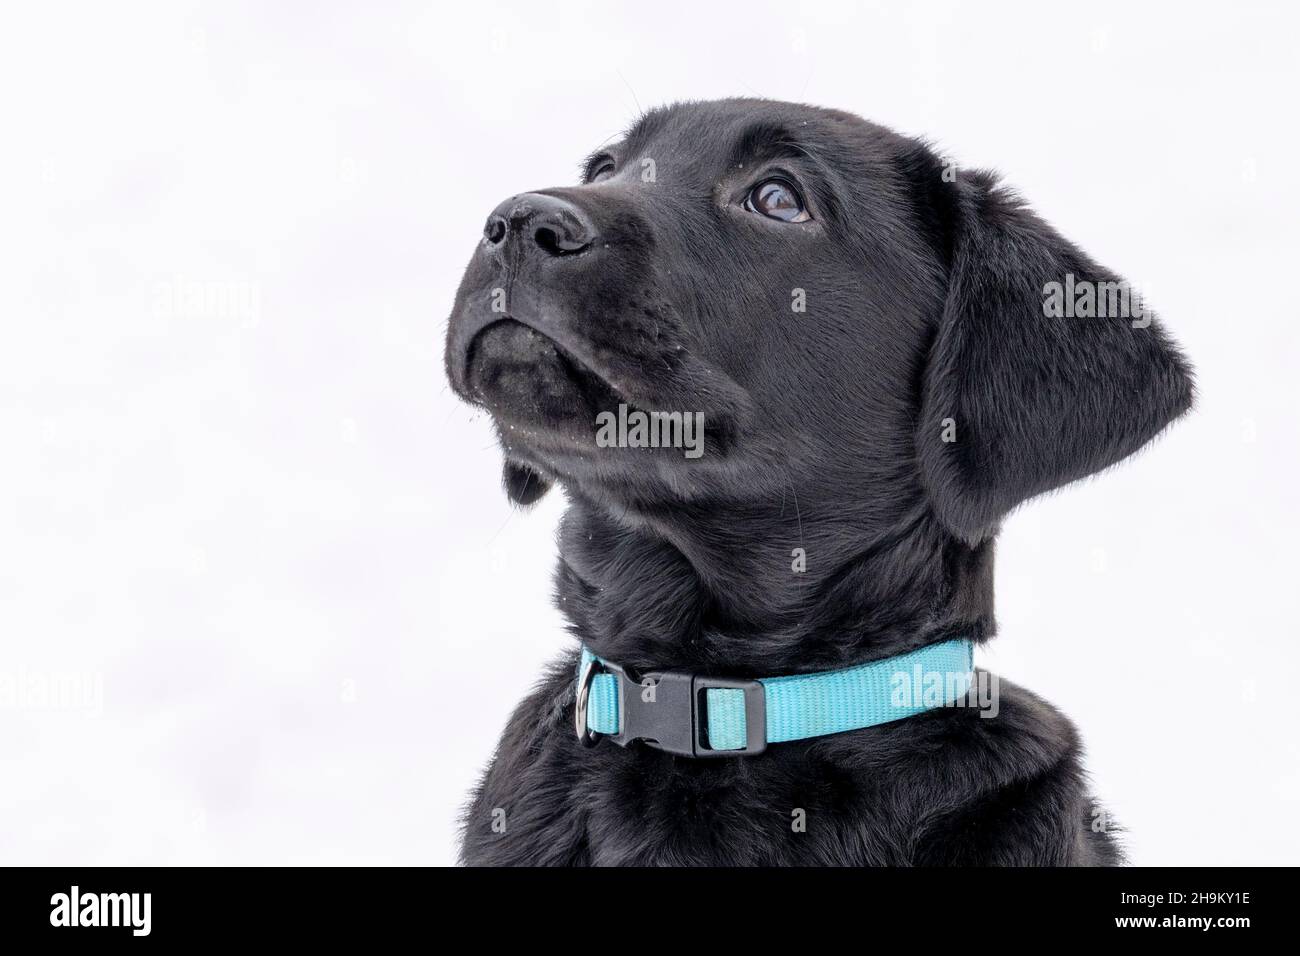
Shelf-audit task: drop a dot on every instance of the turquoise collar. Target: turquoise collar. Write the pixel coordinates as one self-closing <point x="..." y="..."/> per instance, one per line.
<point x="697" y="716"/>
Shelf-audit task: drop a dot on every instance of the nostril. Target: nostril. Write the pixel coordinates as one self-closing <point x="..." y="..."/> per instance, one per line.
<point x="549" y="241"/>
<point x="556" y="243"/>
<point x="495" y="230"/>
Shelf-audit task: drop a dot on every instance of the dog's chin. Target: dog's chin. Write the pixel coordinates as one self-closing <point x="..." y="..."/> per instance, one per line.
<point x="536" y="391"/>
<point x="546" y="402"/>
<point x="544" y="399"/>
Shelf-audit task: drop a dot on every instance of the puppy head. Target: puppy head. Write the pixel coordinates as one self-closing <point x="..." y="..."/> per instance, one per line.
<point x="849" y="320"/>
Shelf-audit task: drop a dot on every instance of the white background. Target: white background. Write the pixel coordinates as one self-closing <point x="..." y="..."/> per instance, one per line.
<point x="258" y="520"/>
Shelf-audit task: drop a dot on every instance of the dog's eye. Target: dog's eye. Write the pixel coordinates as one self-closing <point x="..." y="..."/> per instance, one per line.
<point x="603" y="170"/>
<point x="777" y="199"/>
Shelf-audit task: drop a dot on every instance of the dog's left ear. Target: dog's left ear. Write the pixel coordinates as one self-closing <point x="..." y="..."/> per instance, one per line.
<point x="1025" y="388"/>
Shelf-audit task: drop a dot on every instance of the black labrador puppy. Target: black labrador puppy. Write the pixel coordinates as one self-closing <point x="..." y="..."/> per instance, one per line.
<point x="887" y="355"/>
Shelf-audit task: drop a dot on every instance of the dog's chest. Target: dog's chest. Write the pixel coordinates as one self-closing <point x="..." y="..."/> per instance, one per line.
<point x="653" y="810"/>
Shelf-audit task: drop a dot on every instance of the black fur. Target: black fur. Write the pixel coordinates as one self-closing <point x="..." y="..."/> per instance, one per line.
<point x="824" y="431"/>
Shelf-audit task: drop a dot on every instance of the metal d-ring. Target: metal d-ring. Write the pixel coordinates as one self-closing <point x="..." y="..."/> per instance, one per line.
<point x="586" y="735"/>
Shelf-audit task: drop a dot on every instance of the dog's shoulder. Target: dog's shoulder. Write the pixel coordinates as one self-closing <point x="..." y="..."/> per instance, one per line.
<point x="987" y="744"/>
<point x="1021" y="795"/>
<point x="1013" y="735"/>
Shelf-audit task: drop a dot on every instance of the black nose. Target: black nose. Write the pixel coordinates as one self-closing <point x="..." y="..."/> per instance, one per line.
<point x="555" y="226"/>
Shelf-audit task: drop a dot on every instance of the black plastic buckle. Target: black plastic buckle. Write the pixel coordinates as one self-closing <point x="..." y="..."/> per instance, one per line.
<point x="668" y="710"/>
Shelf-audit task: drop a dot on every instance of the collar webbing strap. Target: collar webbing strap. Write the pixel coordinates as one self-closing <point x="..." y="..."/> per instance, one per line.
<point x="700" y="716"/>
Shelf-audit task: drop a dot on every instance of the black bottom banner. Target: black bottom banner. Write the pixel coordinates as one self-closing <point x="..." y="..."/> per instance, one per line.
<point x="367" y="906"/>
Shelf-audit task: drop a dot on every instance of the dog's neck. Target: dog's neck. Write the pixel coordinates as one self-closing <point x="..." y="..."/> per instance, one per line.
<point x="765" y="593"/>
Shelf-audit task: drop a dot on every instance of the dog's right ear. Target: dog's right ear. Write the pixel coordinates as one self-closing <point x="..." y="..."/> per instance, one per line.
<point x="1023" y="391"/>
